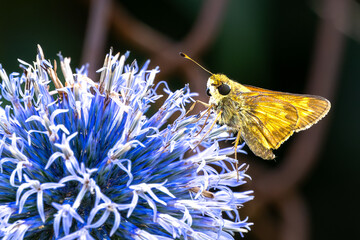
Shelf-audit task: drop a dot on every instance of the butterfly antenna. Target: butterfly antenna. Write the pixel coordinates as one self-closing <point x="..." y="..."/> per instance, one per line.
<point x="187" y="57"/>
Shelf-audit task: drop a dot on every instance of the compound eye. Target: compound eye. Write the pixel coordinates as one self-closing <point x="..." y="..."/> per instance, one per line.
<point x="224" y="89"/>
<point x="208" y="92"/>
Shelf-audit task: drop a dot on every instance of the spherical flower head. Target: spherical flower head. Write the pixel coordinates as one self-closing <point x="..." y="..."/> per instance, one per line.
<point x="87" y="160"/>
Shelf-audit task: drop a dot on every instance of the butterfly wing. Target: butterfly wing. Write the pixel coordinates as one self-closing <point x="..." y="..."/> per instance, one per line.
<point x="310" y="108"/>
<point x="266" y="122"/>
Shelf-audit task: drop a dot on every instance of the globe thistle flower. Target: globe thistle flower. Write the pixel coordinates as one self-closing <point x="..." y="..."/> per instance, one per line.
<point x="81" y="160"/>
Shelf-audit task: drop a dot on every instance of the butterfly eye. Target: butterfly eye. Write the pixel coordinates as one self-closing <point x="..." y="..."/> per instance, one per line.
<point x="224" y="89"/>
<point x="208" y="92"/>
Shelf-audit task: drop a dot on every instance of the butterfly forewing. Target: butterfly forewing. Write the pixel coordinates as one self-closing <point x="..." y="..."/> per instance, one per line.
<point x="310" y="108"/>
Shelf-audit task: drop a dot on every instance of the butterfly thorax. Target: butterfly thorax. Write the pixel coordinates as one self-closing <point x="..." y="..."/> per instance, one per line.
<point x="229" y="114"/>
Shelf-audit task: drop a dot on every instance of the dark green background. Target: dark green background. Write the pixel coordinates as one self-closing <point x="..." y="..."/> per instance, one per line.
<point x="266" y="43"/>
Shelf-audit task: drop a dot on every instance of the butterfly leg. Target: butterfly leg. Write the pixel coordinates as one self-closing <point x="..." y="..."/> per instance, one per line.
<point x="193" y="105"/>
<point x="211" y="127"/>
<point x="235" y="147"/>
<point x="207" y="117"/>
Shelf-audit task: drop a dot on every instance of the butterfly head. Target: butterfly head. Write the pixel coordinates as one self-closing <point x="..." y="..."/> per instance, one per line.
<point x="218" y="86"/>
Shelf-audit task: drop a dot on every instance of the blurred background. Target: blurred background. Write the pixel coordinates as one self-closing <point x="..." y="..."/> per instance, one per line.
<point x="312" y="46"/>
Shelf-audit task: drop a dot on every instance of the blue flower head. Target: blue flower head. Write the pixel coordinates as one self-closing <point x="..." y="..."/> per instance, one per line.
<point x="86" y="160"/>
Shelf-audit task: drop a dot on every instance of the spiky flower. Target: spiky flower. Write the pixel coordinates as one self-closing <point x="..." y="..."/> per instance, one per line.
<point x="83" y="161"/>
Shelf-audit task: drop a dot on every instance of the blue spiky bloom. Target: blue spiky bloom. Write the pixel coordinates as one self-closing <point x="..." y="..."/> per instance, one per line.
<point x="81" y="160"/>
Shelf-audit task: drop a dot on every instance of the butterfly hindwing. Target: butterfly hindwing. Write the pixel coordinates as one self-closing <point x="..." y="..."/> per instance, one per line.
<point x="266" y="122"/>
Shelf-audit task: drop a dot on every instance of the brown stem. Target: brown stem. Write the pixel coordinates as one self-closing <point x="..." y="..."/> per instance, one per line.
<point x="96" y="34"/>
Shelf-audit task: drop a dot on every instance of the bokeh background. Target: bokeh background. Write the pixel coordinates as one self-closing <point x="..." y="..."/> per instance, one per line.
<point x="312" y="46"/>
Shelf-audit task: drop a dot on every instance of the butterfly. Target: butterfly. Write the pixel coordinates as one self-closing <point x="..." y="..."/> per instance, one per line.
<point x="264" y="119"/>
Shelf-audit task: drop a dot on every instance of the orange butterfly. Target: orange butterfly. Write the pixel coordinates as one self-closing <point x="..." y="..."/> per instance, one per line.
<point x="264" y="119"/>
